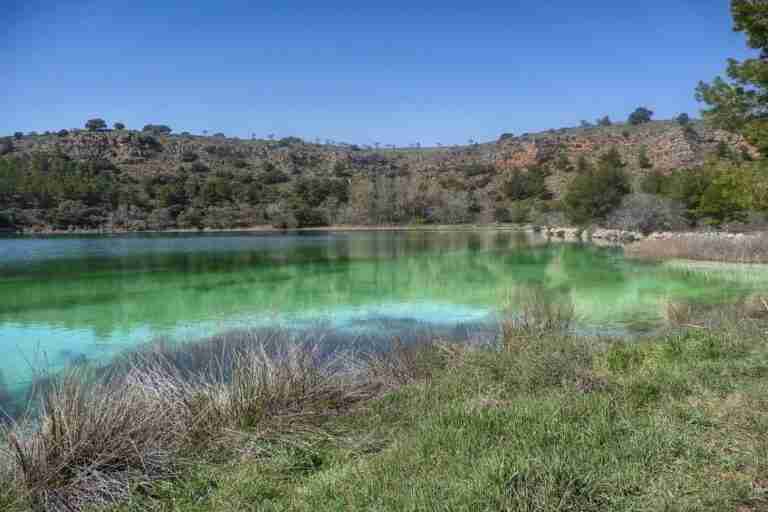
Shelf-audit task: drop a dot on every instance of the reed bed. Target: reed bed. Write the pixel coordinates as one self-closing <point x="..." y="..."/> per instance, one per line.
<point x="744" y="249"/>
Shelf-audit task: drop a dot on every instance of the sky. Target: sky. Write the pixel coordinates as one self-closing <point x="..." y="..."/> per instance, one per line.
<point x="395" y="72"/>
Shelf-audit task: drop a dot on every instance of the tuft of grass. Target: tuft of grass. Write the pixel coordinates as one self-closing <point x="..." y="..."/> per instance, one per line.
<point x="531" y="313"/>
<point x="94" y="440"/>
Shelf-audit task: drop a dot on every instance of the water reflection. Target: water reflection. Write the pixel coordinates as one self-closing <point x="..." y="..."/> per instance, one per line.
<point x="89" y="298"/>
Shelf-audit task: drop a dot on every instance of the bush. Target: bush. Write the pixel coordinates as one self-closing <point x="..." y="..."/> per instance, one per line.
<point x="653" y="183"/>
<point x="310" y="217"/>
<point x="642" y="159"/>
<point x="520" y="212"/>
<point x="18" y="135"/>
<point x="563" y="163"/>
<point x="501" y="214"/>
<point x="647" y="213"/>
<point x="119" y="126"/>
<point x="199" y="167"/>
<point x="7" y="220"/>
<point x="274" y="176"/>
<point x="6" y="146"/>
<point x="683" y="119"/>
<point x="62" y="133"/>
<point x="189" y="156"/>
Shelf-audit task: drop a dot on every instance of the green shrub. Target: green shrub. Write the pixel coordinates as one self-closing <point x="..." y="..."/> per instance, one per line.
<point x="526" y="184"/>
<point x="595" y="194"/>
<point x="642" y="159"/>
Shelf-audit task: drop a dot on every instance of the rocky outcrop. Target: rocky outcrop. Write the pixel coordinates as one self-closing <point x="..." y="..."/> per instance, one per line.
<point x="667" y="145"/>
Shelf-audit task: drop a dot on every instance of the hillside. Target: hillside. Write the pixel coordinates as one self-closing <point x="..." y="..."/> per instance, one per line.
<point x="131" y="180"/>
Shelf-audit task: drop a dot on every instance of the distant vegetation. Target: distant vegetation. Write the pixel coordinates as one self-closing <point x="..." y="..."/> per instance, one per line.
<point x="131" y="180"/>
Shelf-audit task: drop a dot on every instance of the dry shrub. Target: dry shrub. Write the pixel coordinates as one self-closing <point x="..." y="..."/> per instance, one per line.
<point x="402" y="364"/>
<point x="746" y="313"/>
<point x="94" y="440"/>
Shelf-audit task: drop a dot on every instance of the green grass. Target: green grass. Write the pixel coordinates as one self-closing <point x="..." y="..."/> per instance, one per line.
<point x="679" y="422"/>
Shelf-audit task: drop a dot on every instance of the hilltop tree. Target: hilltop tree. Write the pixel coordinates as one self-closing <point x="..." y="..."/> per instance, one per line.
<point x="641" y="115"/>
<point x="740" y="104"/>
<point x="604" y="121"/>
<point x="119" y="126"/>
<point x="683" y="119"/>
<point x="95" y="124"/>
<point x="157" y="129"/>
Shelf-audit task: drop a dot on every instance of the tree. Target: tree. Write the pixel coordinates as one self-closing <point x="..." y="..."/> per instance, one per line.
<point x="157" y="129"/>
<point x="604" y="121"/>
<point x="683" y="119"/>
<point x="641" y="115"/>
<point x="62" y="133"/>
<point x="740" y="104"/>
<point x="594" y="195"/>
<point x="119" y="126"/>
<point x="96" y="124"/>
<point x="18" y="135"/>
<point x="524" y="185"/>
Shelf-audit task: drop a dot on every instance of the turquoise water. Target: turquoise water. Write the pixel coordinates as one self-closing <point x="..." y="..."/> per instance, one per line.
<point x="67" y="299"/>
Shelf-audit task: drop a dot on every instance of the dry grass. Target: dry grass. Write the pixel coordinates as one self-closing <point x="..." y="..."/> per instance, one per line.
<point x="746" y="249"/>
<point x="98" y="434"/>
<point x="94" y="440"/>
<point x="708" y="316"/>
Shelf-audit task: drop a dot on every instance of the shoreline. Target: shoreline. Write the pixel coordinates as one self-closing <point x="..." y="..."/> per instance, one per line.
<point x="714" y="246"/>
<point x="271" y="229"/>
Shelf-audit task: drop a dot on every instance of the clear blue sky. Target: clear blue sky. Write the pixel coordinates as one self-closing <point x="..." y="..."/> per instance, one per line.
<point x="395" y="72"/>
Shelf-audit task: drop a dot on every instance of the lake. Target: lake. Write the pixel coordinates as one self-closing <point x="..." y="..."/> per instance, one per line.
<point x="73" y="298"/>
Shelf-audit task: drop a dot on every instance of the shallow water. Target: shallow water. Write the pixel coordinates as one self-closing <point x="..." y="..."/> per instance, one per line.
<point x="69" y="299"/>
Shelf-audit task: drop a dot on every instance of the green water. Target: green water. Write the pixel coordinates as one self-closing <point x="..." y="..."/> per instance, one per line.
<point x="67" y="298"/>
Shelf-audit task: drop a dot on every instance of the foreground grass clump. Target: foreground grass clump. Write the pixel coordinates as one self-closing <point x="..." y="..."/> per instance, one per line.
<point x="548" y="422"/>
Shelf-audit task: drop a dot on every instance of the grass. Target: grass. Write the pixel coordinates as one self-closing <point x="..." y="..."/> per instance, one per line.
<point x="549" y="422"/>
<point x="747" y="249"/>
